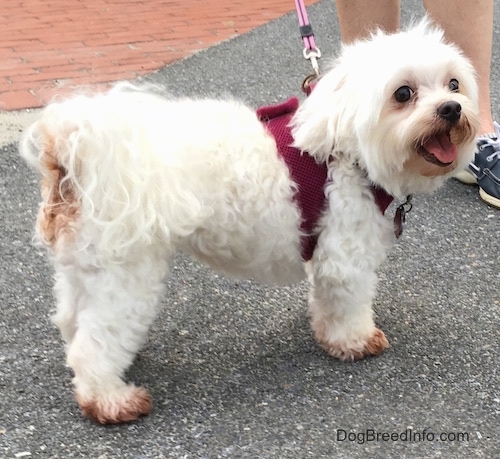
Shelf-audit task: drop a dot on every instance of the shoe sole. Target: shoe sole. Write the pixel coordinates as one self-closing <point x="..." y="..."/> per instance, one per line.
<point x="491" y="200"/>
<point x="465" y="177"/>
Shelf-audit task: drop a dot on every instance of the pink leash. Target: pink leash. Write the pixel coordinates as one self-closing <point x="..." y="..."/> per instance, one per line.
<point x="311" y="52"/>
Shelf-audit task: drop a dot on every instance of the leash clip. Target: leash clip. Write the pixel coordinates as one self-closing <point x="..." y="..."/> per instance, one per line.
<point x="313" y="55"/>
<point x="311" y="52"/>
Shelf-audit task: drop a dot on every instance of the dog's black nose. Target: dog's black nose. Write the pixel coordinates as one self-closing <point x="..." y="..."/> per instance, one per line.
<point x="450" y="111"/>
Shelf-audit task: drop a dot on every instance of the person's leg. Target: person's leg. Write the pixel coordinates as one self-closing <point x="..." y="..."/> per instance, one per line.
<point x="358" y="18"/>
<point x="469" y="24"/>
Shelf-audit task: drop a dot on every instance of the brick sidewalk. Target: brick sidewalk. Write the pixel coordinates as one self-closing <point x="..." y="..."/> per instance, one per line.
<point x="47" y="47"/>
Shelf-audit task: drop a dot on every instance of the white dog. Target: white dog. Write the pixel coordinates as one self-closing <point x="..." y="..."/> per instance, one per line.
<point x="130" y="177"/>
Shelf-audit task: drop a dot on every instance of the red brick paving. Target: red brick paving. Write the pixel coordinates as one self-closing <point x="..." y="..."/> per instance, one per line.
<point x="48" y="46"/>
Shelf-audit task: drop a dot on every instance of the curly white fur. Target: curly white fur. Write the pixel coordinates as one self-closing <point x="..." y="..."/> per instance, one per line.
<point x="129" y="177"/>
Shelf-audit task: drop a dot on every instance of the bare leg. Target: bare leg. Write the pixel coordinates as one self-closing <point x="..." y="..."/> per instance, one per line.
<point x="358" y="18"/>
<point x="469" y="24"/>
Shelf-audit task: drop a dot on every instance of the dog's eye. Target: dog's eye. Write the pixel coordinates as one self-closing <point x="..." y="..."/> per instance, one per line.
<point x="453" y="85"/>
<point x="403" y="94"/>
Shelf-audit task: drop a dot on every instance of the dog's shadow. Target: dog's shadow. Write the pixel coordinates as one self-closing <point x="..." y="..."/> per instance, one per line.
<point x="221" y="344"/>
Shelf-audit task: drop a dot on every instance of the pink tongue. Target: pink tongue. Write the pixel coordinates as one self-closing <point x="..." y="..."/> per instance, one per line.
<point x="441" y="147"/>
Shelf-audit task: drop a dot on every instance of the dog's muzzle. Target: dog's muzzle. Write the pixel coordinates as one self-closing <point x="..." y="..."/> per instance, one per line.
<point x="438" y="149"/>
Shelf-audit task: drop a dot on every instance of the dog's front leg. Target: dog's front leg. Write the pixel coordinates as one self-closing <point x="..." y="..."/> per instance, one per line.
<point x="113" y="309"/>
<point x="353" y="240"/>
<point x="341" y="312"/>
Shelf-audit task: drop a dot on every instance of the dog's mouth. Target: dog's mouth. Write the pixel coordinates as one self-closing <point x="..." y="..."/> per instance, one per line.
<point x="438" y="149"/>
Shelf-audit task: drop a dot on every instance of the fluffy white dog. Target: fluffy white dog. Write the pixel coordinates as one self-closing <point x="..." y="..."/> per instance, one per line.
<point x="130" y="177"/>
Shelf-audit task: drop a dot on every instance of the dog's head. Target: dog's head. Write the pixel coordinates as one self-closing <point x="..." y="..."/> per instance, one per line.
<point x="403" y="106"/>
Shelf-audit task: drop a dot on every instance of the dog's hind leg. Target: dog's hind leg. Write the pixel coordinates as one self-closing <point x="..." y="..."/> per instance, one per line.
<point x="115" y="308"/>
<point x="66" y="292"/>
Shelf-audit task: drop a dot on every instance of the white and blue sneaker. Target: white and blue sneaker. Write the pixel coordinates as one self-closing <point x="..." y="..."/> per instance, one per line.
<point x="485" y="169"/>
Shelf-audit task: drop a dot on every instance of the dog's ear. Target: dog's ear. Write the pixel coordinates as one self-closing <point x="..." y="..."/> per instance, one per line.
<point x="317" y="123"/>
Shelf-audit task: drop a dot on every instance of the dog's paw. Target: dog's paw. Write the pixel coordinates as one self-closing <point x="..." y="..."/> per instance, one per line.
<point x="355" y="349"/>
<point x="125" y="405"/>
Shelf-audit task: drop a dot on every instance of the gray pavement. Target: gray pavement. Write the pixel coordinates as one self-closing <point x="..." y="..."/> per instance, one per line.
<point x="232" y="366"/>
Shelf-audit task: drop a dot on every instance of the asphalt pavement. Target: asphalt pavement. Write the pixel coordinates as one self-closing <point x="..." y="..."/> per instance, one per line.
<point x="232" y="366"/>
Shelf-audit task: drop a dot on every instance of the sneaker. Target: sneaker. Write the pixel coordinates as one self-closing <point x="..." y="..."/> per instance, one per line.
<point x="465" y="176"/>
<point x="485" y="168"/>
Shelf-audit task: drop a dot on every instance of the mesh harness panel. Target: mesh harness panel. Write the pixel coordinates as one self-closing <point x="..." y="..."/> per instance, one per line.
<point x="309" y="176"/>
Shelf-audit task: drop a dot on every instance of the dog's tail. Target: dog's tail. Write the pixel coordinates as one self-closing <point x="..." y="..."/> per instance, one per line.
<point x="102" y="176"/>
<point x="44" y="147"/>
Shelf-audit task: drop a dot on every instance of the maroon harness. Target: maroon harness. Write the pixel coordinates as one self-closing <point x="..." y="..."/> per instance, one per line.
<point x="309" y="176"/>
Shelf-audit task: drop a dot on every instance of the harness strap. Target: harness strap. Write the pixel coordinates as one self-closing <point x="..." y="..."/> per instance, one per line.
<point x="308" y="176"/>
